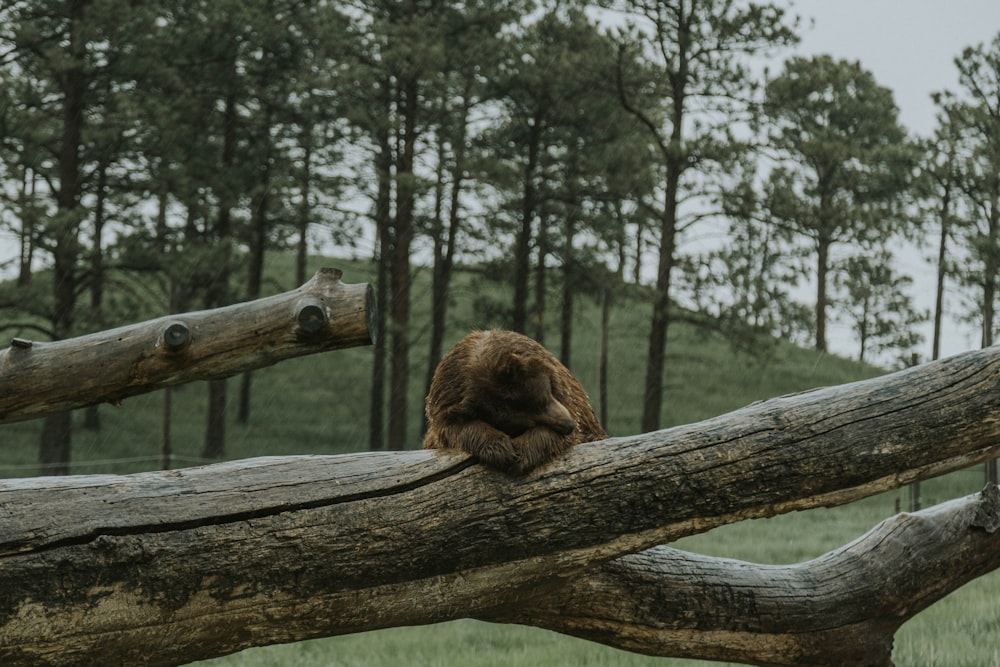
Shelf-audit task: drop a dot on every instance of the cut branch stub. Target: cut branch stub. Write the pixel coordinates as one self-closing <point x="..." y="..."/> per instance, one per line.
<point x="44" y="378"/>
<point x="311" y="316"/>
<point x="176" y="336"/>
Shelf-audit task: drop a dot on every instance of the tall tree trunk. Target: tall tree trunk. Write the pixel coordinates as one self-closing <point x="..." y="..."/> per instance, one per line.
<point x="54" y="456"/>
<point x="218" y="292"/>
<point x="602" y="361"/>
<point x="989" y="293"/>
<point x="439" y="284"/>
<point x="945" y="216"/>
<point x="822" y="269"/>
<point x="989" y="299"/>
<point x="174" y="305"/>
<point x="92" y="415"/>
<point x="444" y="255"/>
<point x="54" y="451"/>
<point x="162" y="200"/>
<point x="28" y="222"/>
<point x="522" y="241"/>
<point x="864" y="328"/>
<point x="255" y="264"/>
<point x="402" y="237"/>
<point x="637" y="269"/>
<point x="215" y="426"/>
<point x="568" y="287"/>
<point x="916" y="501"/>
<point x="305" y="208"/>
<point x="383" y="251"/>
<point x="656" y="354"/>
<point x="541" y="276"/>
<point x="166" y="438"/>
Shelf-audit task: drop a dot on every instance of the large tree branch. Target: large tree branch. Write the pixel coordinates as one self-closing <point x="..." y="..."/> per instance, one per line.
<point x="44" y="378"/>
<point x="840" y="609"/>
<point x="168" y="567"/>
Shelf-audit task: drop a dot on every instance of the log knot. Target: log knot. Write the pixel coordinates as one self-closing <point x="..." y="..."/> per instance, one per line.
<point x="988" y="512"/>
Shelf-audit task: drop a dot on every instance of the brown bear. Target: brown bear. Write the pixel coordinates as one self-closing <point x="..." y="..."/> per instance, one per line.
<point x="505" y="399"/>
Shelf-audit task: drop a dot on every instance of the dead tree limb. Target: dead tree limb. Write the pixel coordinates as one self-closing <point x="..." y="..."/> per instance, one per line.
<point x="843" y="608"/>
<point x="40" y="378"/>
<point x="169" y="567"/>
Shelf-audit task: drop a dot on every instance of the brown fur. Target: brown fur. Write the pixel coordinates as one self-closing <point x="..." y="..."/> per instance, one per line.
<point x="505" y="399"/>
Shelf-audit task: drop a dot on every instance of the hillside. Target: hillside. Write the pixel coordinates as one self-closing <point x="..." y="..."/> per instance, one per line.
<point x="319" y="404"/>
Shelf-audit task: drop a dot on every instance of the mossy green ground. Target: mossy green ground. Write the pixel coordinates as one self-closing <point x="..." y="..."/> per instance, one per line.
<point x="319" y="405"/>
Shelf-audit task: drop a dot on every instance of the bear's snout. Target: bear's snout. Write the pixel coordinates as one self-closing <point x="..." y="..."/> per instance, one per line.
<point x="564" y="427"/>
<point x="559" y="419"/>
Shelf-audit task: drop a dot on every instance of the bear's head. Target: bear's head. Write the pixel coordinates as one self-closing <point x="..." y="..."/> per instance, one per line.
<point x="514" y="394"/>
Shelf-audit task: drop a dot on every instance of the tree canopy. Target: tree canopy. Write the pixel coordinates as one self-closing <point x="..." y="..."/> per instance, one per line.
<point x="545" y="145"/>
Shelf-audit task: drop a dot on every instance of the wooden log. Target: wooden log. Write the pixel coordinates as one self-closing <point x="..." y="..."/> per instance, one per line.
<point x="169" y="567"/>
<point x="40" y="378"/>
<point x="842" y="608"/>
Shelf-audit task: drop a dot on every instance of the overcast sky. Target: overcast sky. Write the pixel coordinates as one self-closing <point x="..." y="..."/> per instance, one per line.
<point x="909" y="45"/>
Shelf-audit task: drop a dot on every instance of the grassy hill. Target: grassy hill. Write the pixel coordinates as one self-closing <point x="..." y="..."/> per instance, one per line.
<point x="319" y="405"/>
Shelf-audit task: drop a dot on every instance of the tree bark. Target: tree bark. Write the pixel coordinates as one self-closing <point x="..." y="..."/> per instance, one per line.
<point x="383" y="252"/>
<point x="445" y="242"/>
<point x="602" y="359"/>
<point x="92" y="415"/>
<point x="652" y="404"/>
<point x="45" y="378"/>
<point x="822" y="271"/>
<point x="541" y="285"/>
<point x="570" y="275"/>
<point x="258" y="239"/>
<point x="28" y="212"/>
<point x="168" y="567"/>
<point x="399" y="274"/>
<point x="522" y="240"/>
<point x="218" y="292"/>
<point x="56" y="440"/>
<point x="944" y="216"/>
<point x="304" y="210"/>
<point x="842" y="608"/>
<point x="992" y="275"/>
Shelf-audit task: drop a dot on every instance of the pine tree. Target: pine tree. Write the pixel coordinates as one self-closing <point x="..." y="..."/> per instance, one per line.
<point x="691" y="55"/>
<point x="844" y="161"/>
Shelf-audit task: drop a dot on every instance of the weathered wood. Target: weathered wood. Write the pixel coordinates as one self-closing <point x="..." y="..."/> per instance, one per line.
<point x="169" y="567"/>
<point x="840" y="609"/>
<point x="40" y="378"/>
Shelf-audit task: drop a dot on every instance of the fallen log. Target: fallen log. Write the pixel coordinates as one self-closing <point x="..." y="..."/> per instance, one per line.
<point x="169" y="567"/>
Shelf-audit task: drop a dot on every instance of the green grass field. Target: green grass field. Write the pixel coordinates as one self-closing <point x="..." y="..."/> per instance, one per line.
<point x="319" y="405"/>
